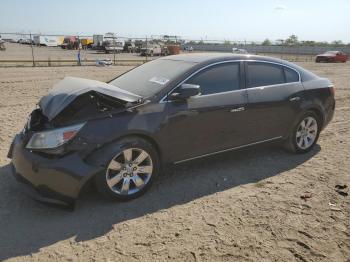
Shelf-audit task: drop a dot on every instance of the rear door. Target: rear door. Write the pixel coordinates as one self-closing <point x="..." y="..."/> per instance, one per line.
<point x="212" y="121"/>
<point x="274" y="97"/>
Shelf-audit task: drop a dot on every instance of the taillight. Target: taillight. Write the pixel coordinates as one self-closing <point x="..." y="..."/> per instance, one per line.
<point x="332" y="90"/>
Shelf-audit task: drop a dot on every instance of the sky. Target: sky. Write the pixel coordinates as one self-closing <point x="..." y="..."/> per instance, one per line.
<point x="250" y="20"/>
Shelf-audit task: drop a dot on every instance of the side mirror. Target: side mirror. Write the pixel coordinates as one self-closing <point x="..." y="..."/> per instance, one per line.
<point x="185" y="91"/>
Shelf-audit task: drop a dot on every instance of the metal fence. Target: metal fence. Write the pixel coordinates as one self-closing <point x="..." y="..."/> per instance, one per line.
<point x="53" y="50"/>
<point x="271" y="49"/>
<point x="43" y="50"/>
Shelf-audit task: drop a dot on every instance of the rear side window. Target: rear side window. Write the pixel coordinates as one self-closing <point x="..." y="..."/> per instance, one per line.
<point x="264" y="74"/>
<point x="291" y="75"/>
<point x="217" y="79"/>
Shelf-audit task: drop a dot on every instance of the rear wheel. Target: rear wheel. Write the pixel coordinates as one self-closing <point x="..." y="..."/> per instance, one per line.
<point x="305" y="134"/>
<point x="130" y="170"/>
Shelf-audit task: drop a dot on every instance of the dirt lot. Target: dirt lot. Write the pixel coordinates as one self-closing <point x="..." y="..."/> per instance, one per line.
<point x="239" y="206"/>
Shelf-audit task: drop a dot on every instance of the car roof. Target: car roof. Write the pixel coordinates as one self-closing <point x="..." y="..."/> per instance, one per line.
<point x="217" y="57"/>
<point x="203" y="59"/>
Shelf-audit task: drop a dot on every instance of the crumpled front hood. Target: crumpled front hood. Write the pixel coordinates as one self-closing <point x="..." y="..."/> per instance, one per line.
<point x="67" y="90"/>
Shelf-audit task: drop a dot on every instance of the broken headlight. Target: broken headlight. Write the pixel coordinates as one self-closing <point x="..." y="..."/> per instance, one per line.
<point x="53" y="138"/>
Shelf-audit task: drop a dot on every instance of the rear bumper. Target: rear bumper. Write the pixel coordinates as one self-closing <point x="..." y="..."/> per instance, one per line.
<point x="52" y="180"/>
<point x="329" y="114"/>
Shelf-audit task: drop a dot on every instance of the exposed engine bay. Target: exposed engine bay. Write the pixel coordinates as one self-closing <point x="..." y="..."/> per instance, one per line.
<point x="76" y="99"/>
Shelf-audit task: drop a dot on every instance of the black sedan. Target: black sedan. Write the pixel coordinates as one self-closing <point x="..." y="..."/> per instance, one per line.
<point x="171" y="110"/>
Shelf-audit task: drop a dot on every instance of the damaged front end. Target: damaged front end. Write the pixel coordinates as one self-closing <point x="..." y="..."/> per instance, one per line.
<point x="67" y="107"/>
<point x="45" y="155"/>
<point x="89" y="106"/>
<point x="74" y="99"/>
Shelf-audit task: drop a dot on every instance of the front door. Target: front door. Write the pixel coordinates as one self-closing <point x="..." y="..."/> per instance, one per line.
<point x="212" y="121"/>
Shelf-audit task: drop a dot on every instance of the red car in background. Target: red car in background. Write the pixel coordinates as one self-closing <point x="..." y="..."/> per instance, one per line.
<point x="332" y="56"/>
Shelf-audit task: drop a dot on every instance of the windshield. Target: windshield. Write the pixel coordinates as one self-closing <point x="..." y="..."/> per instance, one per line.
<point x="148" y="79"/>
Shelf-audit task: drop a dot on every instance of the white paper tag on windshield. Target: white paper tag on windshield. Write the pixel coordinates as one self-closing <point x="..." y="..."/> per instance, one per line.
<point x="159" y="80"/>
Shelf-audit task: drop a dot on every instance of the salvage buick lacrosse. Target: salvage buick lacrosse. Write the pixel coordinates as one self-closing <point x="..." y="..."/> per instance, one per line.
<point x="170" y="110"/>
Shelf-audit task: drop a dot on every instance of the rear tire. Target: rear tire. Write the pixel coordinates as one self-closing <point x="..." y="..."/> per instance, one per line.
<point x="304" y="135"/>
<point x="131" y="167"/>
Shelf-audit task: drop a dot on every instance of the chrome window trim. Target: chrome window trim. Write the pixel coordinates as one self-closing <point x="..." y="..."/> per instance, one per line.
<point x="220" y="93"/>
<point x="263" y="87"/>
<point x="226" y="150"/>
<point x="231" y="61"/>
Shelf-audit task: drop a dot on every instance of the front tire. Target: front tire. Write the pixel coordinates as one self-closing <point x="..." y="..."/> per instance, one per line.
<point x="131" y="168"/>
<point x="305" y="133"/>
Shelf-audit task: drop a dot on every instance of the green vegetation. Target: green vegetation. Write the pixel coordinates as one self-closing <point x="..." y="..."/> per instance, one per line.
<point x="294" y="41"/>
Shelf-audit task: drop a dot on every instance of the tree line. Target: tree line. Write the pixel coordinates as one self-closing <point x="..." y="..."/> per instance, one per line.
<point x="294" y="41"/>
<point x="290" y="41"/>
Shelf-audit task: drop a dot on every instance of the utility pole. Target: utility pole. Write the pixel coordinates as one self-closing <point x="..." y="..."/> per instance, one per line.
<point x="114" y="48"/>
<point x="146" y="49"/>
<point x="31" y="46"/>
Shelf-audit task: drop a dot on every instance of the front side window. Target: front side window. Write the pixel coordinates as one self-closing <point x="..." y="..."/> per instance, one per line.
<point x="264" y="74"/>
<point x="217" y="79"/>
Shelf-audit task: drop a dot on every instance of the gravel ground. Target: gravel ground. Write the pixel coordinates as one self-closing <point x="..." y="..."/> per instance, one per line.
<point x="238" y="206"/>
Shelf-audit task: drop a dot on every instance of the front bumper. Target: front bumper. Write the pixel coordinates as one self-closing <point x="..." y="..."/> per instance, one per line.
<point x="52" y="180"/>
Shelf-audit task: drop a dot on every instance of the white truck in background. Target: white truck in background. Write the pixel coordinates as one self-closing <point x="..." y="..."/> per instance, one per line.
<point x="97" y="42"/>
<point x="45" y="40"/>
<point x="111" y="43"/>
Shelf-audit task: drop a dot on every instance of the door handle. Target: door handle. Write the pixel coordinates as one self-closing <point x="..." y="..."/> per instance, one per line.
<point x="238" y="109"/>
<point x="294" y="99"/>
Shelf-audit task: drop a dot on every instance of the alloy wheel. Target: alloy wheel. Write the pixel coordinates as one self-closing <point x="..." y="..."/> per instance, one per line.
<point x="306" y="132"/>
<point x="129" y="171"/>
